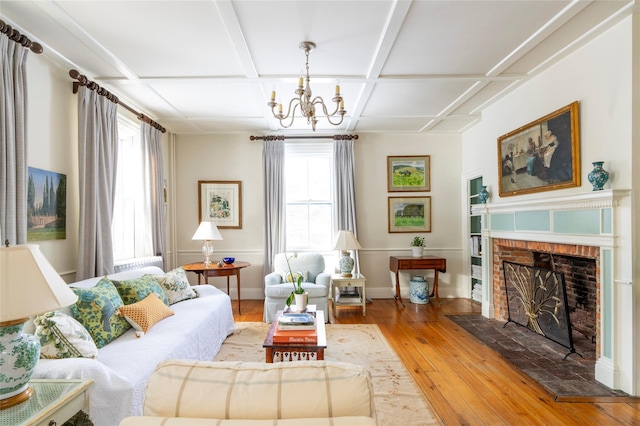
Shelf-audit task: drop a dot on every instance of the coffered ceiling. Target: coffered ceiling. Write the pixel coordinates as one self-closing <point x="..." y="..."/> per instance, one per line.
<point x="403" y="66"/>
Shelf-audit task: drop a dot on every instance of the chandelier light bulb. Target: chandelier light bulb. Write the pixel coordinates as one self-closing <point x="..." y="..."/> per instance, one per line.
<point x="305" y="101"/>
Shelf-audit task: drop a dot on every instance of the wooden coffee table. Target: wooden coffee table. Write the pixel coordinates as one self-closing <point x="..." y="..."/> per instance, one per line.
<point x="296" y="351"/>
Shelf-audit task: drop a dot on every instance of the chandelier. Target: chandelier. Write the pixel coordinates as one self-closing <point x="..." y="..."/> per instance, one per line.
<point x="304" y="100"/>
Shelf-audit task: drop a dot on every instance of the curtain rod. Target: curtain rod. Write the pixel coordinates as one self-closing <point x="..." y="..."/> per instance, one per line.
<point x="283" y="137"/>
<point x="22" y="39"/>
<point x="92" y="85"/>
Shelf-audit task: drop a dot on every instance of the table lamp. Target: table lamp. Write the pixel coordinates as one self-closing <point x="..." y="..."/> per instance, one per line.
<point x="28" y="286"/>
<point x="207" y="231"/>
<point x="345" y="241"/>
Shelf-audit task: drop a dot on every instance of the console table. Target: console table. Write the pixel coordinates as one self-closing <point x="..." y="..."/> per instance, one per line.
<point x="214" y="270"/>
<point x="398" y="263"/>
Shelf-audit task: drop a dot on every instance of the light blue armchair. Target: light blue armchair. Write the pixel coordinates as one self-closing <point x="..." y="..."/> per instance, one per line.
<point x="276" y="290"/>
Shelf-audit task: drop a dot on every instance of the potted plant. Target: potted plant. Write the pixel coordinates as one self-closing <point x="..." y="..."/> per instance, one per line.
<point x="417" y="246"/>
<point x="298" y="294"/>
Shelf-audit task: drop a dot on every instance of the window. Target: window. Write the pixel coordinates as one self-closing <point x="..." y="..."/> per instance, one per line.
<point x="308" y="171"/>
<point x="130" y="228"/>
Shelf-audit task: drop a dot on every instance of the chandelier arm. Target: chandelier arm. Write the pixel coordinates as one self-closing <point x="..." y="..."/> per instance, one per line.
<point x="339" y="122"/>
<point x="290" y="113"/>
<point x="279" y="114"/>
<point x="291" y="109"/>
<point x="319" y="100"/>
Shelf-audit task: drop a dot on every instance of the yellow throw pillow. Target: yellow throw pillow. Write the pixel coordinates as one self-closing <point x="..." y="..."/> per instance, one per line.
<point x="146" y="313"/>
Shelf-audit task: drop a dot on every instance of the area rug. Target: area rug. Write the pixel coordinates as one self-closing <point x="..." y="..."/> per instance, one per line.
<point x="397" y="399"/>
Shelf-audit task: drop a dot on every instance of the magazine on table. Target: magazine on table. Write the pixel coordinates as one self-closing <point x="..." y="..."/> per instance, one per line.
<point x="296" y="321"/>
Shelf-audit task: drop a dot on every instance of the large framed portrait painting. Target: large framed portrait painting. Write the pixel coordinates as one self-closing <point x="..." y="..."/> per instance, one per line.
<point x="543" y="155"/>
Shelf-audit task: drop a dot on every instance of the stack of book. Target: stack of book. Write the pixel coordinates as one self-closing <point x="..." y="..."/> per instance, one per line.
<point x="299" y="328"/>
<point x="476" y="271"/>
<point x="348" y="295"/>
<point x="476" y="293"/>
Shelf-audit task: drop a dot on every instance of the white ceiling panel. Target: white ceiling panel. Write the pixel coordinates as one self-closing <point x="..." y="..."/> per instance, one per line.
<point x="411" y="97"/>
<point x="488" y="92"/>
<point x="453" y="124"/>
<point x="464" y="37"/>
<point x="345" y="39"/>
<point x="213" y="99"/>
<point x="392" y="124"/>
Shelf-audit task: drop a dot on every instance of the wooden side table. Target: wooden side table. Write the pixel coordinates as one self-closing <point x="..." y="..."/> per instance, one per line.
<point x="397" y="263"/>
<point x="53" y="402"/>
<point x="357" y="280"/>
<point x="214" y="270"/>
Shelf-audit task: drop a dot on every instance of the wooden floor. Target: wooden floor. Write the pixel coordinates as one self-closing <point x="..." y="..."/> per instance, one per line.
<point x="466" y="382"/>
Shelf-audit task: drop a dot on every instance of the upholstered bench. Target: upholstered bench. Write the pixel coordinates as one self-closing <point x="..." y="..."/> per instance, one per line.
<point x="233" y="393"/>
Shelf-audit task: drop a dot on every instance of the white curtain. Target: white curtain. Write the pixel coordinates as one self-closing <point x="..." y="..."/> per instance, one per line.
<point x="97" y="156"/>
<point x="13" y="142"/>
<point x="344" y="192"/>
<point x="273" y="178"/>
<point x="150" y="139"/>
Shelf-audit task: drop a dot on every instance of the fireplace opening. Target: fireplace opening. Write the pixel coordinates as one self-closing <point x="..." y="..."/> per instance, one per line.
<point x="580" y="268"/>
<point x="580" y="280"/>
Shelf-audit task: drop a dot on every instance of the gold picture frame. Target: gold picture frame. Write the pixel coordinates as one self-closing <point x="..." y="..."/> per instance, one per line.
<point x="220" y="201"/>
<point x="409" y="173"/>
<point x="409" y="214"/>
<point x="543" y="155"/>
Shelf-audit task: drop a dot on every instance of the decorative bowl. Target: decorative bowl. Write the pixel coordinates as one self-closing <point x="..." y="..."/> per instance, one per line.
<point x="228" y="260"/>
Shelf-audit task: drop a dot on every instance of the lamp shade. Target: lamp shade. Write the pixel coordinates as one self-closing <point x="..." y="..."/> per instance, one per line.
<point x="345" y="240"/>
<point x="29" y="285"/>
<point x="207" y="231"/>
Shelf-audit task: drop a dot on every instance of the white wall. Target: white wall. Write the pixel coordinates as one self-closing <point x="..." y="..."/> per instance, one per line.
<point x="234" y="157"/>
<point x="52" y="145"/>
<point x="600" y="76"/>
<point x="221" y="158"/>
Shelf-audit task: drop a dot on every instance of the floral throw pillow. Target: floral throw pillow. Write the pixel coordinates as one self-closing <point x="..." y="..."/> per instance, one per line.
<point x="61" y="336"/>
<point x="97" y="310"/>
<point x="290" y="277"/>
<point x="132" y="291"/>
<point x="176" y="285"/>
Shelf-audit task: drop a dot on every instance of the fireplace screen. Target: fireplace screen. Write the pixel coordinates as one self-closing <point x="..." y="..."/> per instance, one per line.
<point x="537" y="299"/>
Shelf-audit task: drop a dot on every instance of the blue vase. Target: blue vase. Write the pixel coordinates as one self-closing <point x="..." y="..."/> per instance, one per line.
<point x="598" y="176"/>
<point x="346" y="264"/>
<point x="483" y="195"/>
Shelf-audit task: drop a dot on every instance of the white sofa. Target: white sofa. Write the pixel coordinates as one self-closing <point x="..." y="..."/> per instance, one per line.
<point x="123" y="367"/>
<point x="197" y="393"/>
<point x="276" y="290"/>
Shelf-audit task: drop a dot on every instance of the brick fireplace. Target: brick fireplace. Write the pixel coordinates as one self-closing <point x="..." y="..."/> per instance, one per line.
<point x="580" y="265"/>
<point x="586" y="235"/>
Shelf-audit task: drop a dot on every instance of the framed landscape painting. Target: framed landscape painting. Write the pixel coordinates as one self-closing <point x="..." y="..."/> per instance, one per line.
<point x="408" y="173"/>
<point x="220" y="202"/>
<point x="46" y="205"/>
<point x="543" y="155"/>
<point x="409" y="214"/>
